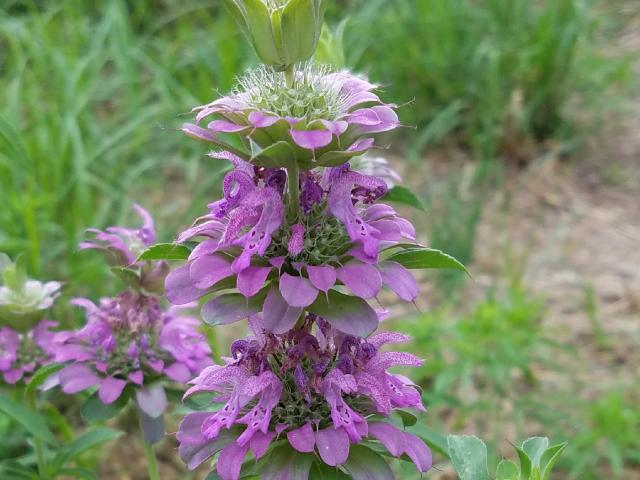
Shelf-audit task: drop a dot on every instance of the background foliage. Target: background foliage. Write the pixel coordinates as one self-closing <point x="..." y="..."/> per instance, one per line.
<point x="87" y="87"/>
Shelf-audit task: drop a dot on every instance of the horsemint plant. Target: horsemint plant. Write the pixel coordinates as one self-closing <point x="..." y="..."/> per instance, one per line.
<point x="302" y="239"/>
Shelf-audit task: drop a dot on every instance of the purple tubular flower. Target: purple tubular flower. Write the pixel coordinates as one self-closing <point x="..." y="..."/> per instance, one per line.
<point x="320" y="117"/>
<point x="22" y="353"/>
<point x="130" y="339"/>
<point x="121" y="246"/>
<point x="312" y="193"/>
<point x="341" y="390"/>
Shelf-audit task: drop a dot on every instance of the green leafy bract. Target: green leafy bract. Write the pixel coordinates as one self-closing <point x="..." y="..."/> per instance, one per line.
<point x="349" y="314"/>
<point x="400" y="194"/>
<point x="415" y="258"/>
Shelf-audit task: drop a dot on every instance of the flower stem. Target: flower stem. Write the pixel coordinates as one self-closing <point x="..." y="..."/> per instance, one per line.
<point x="39" y="447"/>
<point x="288" y="75"/>
<point x="293" y="181"/>
<point x="152" y="464"/>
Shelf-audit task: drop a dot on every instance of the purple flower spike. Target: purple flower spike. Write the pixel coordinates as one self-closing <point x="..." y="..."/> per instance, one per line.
<point x="130" y="339"/>
<point x="341" y="390"/>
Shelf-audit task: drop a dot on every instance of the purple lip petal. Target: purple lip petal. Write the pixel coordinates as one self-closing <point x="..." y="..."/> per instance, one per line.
<point x="225" y="127"/>
<point x="251" y="280"/>
<point x="181" y="287"/>
<point x="385" y="360"/>
<point x="152" y="400"/>
<point x="278" y="316"/>
<point x="400" y="280"/>
<point x="260" y="120"/>
<point x="297" y="291"/>
<point x="110" y="389"/>
<point x="190" y="428"/>
<point x="260" y="442"/>
<point x="323" y="277"/>
<point x="230" y="461"/>
<point x="388" y="230"/>
<point x="303" y="438"/>
<point x="311" y="139"/>
<point x="333" y="445"/>
<point x="76" y="377"/>
<point x="358" y="253"/>
<point x="383" y="338"/>
<point x="418" y="452"/>
<point x="362" y="279"/>
<point x="390" y="436"/>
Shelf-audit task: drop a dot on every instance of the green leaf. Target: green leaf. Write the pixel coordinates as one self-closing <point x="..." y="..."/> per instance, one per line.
<point x="525" y="464"/>
<point x="12" y="469"/>
<point x="213" y="475"/>
<point x="277" y="155"/>
<point x="507" y="470"/>
<point x="365" y="464"/>
<point x="93" y="410"/>
<point x="400" y="194"/>
<point x="435" y="441"/>
<point x="469" y="457"/>
<point x="549" y="458"/>
<point x="165" y="251"/>
<point x="426" y="258"/>
<point x="40" y="376"/>
<point x="535" y="447"/>
<point x="32" y="422"/>
<point x="128" y="276"/>
<point x="232" y="307"/>
<point x="286" y="462"/>
<point x="92" y="438"/>
<point x="408" y="419"/>
<point x="349" y="314"/>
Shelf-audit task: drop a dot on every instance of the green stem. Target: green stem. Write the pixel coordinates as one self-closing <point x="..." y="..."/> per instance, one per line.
<point x="39" y="446"/>
<point x="152" y="463"/>
<point x="288" y="75"/>
<point x="293" y="180"/>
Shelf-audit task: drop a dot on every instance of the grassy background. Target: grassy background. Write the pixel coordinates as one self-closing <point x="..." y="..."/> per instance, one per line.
<point x="85" y="88"/>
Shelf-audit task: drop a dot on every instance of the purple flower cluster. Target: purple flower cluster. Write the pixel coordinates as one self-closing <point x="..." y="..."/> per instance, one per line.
<point x="319" y="120"/>
<point x="131" y="340"/>
<point x="22" y="353"/>
<point x="319" y="388"/>
<point x="335" y="240"/>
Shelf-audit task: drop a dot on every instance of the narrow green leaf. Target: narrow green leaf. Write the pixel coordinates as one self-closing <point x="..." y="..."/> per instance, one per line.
<point x="507" y="470"/>
<point x="435" y="441"/>
<point x="349" y="314"/>
<point x="165" y="251"/>
<point x="469" y="457"/>
<point x="286" y="462"/>
<point x="535" y="447"/>
<point x="40" y="376"/>
<point x="400" y="194"/>
<point x="408" y="419"/>
<point x="525" y="464"/>
<point x="549" y="458"/>
<point x="93" y="410"/>
<point x="12" y="469"/>
<point x="232" y="307"/>
<point x="426" y="258"/>
<point x="365" y="464"/>
<point x="32" y="422"/>
<point x="87" y="441"/>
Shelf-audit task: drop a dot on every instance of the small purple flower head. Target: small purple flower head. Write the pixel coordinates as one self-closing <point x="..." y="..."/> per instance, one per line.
<point x="321" y="116"/>
<point x="129" y="339"/>
<point x="22" y="353"/>
<point x="320" y="407"/>
<point x="121" y="247"/>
